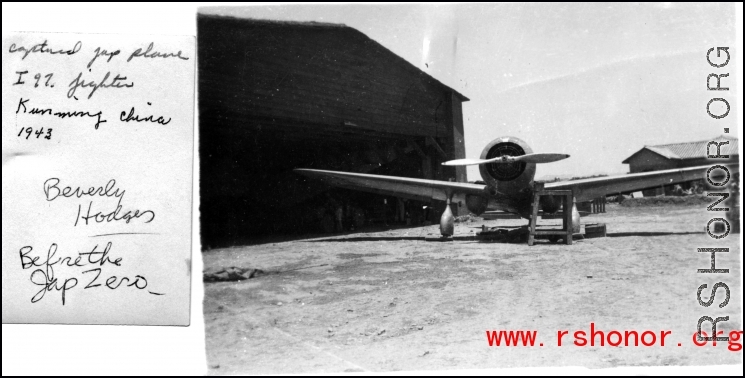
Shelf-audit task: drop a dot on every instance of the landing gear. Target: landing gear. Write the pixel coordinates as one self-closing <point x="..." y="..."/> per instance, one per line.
<point x="447" y="221"/>
<point x="575" y="217"/>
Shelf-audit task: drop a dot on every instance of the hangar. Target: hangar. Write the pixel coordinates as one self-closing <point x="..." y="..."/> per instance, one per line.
<point x="680" y="155"/>
<point x="275" y="95"/>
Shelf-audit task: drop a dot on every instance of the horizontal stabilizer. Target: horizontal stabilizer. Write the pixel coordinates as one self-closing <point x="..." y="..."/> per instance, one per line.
<point x="537" y="158"/>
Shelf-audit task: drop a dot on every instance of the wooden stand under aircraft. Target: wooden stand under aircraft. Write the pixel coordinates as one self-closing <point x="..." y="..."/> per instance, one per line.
<point x="507" y="166"/>
<point x="568" y="225"/>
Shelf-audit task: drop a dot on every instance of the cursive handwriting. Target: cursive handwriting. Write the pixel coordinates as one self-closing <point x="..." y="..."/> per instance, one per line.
<point x="52" y="190"/>
<point x="116" y="82"/>
<point x="113" y="216"/>
<point x="48" y="111"/>
<point x="100" y="52"/>
<point x="136" y="118"/>
<point x="43" y="48"/>
<point x="44" y="274"/>
<point x="149" y="53"/>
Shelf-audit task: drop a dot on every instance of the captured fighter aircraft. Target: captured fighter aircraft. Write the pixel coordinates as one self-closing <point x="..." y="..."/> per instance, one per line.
<point x="508" y="166"/>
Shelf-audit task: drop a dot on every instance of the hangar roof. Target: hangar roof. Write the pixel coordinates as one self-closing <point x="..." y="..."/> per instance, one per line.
<point x="314" y="76"/>
<point x="691" y="150"/>
<point x="342" y="28"/>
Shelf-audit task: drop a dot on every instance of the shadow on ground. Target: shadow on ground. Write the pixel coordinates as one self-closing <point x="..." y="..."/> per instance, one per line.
<point x="626" y="234"/>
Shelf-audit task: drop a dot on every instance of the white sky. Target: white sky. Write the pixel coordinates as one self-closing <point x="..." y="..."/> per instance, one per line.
<point x="596" y="81"/>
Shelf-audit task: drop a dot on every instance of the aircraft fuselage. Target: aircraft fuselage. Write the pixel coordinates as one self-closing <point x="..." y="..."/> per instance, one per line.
<point x="509" y="187"/>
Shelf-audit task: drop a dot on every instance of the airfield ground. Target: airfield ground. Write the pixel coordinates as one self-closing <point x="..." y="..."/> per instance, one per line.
<point x="388" y="300"/>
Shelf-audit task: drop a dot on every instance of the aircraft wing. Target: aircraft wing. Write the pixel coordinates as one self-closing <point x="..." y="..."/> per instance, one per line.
<point x="587" y="189"/>
<point x="411" y="188"/>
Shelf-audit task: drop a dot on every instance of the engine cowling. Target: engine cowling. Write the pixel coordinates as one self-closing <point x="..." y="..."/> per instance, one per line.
<point x="507" y="177"/>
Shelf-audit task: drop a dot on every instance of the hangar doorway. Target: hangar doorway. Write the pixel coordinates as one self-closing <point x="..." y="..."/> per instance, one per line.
<point x="275" y="96"/>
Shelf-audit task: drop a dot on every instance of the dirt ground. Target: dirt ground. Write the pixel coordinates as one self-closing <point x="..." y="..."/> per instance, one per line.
<point x="390" y="301"/>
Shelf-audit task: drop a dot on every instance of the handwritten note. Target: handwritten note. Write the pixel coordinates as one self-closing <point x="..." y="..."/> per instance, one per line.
<point x="97" y="174"/>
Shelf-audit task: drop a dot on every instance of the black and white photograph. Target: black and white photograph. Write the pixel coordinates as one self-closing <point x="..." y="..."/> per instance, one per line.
<point x="372" y="188"/>
<point x="428" y="187"/>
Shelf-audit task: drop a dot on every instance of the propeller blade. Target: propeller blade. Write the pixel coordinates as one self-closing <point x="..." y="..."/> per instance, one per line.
<point x="461" y="162"/>
<point x="540" y="158"/>
<point x="537" y="158"/>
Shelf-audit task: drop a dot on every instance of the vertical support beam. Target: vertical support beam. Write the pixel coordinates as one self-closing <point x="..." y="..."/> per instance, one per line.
<point x="569" y="219"/>
<point x="537" y="189"/>
<point x="533" y="220"/>
<point x="457" y="135"/>
<point x="428" y="173"/>
<point x="454" y="141"/>
<point x="427" y="168"/>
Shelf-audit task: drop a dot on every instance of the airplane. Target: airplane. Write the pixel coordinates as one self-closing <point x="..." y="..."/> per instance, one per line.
<point x="507" y="166"/>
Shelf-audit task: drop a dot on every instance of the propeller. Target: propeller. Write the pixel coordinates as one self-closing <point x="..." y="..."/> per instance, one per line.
<point x="537" y="158"/>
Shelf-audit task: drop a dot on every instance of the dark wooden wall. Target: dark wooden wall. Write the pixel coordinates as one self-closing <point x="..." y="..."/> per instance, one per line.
<point x="325" y="77"/>
<point x="274" y="96"/>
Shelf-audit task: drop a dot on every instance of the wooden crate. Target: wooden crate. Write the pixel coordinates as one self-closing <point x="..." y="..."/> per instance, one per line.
<point x="596" y="230"/>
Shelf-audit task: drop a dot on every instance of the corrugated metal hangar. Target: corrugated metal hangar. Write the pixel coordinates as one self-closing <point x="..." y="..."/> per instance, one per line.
<point x="274" y="96"/>
<point x="681" y="155"/>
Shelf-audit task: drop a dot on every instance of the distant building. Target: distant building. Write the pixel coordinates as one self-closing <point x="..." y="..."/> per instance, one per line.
<point x="680" y="155"/>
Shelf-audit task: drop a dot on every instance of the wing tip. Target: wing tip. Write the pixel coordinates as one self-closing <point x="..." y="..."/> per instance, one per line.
<point x="304" y="171"/>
